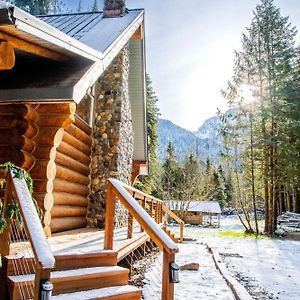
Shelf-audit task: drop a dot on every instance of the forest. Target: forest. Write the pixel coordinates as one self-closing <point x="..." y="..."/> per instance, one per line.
<point x="260" y="165"/>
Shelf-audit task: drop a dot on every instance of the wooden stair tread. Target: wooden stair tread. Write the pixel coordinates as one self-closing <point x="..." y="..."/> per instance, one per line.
<point x="58" y="275"/>
<point x="67" y="261"/>
<point x="104" y="293"/>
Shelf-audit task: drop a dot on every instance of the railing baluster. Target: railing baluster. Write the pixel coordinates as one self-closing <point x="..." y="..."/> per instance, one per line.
<point x="151" y="209"/>
<point x="109" y="219"/>
<point x="130" y="223"/>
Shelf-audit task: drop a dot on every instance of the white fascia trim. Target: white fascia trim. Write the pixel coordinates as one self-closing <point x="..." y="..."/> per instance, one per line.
<point x="32" y="25"/>
<point x="96" y="70"/>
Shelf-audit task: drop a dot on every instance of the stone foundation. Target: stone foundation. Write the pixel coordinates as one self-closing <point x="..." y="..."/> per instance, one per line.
<point x="113" y="138"/>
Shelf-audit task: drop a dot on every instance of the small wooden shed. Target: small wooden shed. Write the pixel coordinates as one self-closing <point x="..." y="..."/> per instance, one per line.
<point x="197" y="212"/>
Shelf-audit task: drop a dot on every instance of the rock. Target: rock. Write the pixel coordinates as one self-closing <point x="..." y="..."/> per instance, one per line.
<point x="190" y="267"/>
<point x="280" y="232"/>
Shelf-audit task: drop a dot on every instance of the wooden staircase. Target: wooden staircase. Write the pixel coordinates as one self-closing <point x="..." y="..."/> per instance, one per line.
<point x="80" y="276"/>
<point x="171" y="235"/>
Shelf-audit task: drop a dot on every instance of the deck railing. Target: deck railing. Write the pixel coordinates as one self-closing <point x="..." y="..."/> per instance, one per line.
<point x="29" y="228"/>
<point x="173" y="216"/>
<point x="126" y="195"/>
<point x="155" y="208"/>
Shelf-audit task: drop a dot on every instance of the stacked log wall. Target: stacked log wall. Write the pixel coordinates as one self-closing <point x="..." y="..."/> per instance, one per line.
<point x="54" y="146"/>
<point x="17" y="132"/>
<point x="71" y="185"/>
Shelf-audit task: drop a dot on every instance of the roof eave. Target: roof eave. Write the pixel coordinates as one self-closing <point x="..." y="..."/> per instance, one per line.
<point x="23" y="21"/>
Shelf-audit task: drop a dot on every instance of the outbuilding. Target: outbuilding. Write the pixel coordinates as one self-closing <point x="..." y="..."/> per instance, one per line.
<point x="197" y="212"/>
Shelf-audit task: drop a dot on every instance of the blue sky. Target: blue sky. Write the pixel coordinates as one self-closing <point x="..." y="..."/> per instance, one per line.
<point x="189" y="48"/>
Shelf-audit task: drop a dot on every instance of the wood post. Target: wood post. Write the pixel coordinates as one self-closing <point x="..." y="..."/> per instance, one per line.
<point x="109" y="218"/>
<point x="167" y="285"/>
<point x="130" y="224"/>
<point x="181" y="233"/>
<point x="7" y="56"/>
<point x="4" y="237"/>
<point x="23" y="45"/>
<point x="151" y="208"/>
<point x="40" y="275"/>
<point x="157" y="212"/>
<point x="3" y="279"/>
<point x="144" y="207"/>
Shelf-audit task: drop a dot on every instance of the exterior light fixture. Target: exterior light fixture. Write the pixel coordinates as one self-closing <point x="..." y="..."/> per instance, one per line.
<point x="174" y="273"/>
<point x="46" y="290"/>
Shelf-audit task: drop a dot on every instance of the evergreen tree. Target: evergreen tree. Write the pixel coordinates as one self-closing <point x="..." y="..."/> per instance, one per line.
<point x="79" y="9"/>
<point x="95" y="6"/>
<point x="39" y="7"/>
<point x="264" y="67"/>
<point x="219" y="186"/>
<point x="170" y="175"/>
<point x="191" y="183"/>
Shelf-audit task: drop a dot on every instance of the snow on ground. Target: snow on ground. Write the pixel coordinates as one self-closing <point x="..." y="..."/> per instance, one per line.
<point x="206" y="283"/>
<point x="268" y="268"/>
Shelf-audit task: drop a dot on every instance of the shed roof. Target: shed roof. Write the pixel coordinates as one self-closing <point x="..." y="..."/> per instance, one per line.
<point x="195" y="206"/>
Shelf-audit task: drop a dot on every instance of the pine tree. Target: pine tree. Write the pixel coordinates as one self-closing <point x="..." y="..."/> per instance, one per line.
<point x="191" y="183"/>
<point x="79" y="9"/>
<point x="95" y="6"/>
<point x="39" y="7"/>
<point x="264" y="66"/>
<point x="170" y="175"/>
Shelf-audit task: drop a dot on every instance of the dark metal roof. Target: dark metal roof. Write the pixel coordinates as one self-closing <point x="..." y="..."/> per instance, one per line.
<point x="91" y="28"/>
<point x="75" y="25"/>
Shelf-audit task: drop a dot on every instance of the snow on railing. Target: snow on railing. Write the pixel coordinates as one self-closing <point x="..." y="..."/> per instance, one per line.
<point x="28" y="228"/>
<point x="118" y="190"/>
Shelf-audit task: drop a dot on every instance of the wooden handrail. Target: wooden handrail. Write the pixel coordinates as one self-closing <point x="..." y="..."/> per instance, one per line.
<point x="172" y="214"/>
<point x="117" y="189"/>
<point x="176" y="218"/>
<point x="139" y="195"/>
<point x="34" y="230"/>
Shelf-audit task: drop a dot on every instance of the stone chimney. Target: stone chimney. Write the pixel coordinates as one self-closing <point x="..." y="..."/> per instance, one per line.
<point x="114" y="8"/>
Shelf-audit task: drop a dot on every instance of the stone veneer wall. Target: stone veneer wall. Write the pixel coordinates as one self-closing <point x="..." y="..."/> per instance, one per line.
<point x="113" y="138"/>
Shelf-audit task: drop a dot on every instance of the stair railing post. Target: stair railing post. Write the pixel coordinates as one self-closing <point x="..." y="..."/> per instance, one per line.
<point x="144" y="207"/>
<point x="181" y="232"/>
<point x="157" y="213"/>
<point x="41" y="275"/>
<point x="167" y="286"/>
<point x="109" y="218"/>
<point x="130" y="223"/>
<point x="5" y="240"/>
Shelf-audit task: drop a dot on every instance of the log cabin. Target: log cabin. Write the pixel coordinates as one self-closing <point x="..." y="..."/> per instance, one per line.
<point x="73" y="114"/>
<point x="72" y="106"/>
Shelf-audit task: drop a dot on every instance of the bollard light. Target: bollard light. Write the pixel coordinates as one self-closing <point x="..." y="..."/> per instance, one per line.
<point x="174" y="273"/>
<point x="46" y="290"/>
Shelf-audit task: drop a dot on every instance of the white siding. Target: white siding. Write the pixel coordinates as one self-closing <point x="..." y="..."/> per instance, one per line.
<point x="138" y="99"/>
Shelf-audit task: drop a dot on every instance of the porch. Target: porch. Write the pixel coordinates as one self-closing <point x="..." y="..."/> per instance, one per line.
<point x="82" y="263"/>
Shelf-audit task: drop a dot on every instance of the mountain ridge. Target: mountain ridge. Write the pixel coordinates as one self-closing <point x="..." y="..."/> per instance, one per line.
<point x="205" y="142"/>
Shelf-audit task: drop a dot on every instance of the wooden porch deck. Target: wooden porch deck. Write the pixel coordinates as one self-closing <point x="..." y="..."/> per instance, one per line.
<point x="87" y="241"/>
